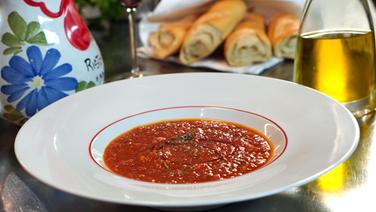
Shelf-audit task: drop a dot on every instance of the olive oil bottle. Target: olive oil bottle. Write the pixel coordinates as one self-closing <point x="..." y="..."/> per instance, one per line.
<point x="340" y="63"/>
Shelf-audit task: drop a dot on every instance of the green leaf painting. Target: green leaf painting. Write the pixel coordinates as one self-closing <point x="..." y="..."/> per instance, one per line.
<point x="32" y="29"/>
<point x="39" y="39"/>
<point x="22" y="33"/>
<point x="10" y="113"/>
<point x="84" y="85"/>
<point x="10" y="40"/>
<point x="12" y="50"/>
<point x="18" y="25"/>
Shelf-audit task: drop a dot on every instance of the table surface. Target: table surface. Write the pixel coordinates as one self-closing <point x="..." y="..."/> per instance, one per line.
<point x="349" y="187"/>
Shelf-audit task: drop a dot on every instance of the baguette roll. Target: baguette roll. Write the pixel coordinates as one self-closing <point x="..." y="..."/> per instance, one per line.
<point x="283" y="33"/>
<point x="211" y="29"/>
<point x="248" y="43"/>
<point x="168" y="39"/>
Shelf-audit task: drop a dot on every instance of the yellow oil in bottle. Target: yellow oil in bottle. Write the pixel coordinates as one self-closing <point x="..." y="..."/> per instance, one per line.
<point x="338" y="63"/>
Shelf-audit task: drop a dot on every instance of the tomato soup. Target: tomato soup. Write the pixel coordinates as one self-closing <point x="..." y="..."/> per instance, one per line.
<point x="187" y="151"/>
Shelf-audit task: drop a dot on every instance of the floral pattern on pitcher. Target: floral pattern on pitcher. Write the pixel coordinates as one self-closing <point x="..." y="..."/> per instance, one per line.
<point x="38" y="82"/>
<point x="21" y="34"/>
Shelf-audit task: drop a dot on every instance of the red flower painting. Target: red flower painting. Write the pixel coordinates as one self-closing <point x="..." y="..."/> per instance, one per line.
<point x="75" y="28"/>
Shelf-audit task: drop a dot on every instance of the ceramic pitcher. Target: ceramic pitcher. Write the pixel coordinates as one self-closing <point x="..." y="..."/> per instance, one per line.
<point x="46" y="53"/>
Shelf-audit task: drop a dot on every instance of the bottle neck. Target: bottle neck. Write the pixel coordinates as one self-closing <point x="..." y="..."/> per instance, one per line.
<point x="334" y="15"/>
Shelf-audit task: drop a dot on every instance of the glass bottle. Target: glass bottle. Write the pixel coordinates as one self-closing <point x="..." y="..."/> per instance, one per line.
<point x="336" y="52"/>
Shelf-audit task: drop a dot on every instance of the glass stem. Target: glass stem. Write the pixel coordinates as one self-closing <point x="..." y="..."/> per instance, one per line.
<point x="133" y="41"/>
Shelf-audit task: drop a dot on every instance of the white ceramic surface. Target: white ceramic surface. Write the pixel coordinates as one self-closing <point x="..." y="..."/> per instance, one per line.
<point x="54" y="145"/>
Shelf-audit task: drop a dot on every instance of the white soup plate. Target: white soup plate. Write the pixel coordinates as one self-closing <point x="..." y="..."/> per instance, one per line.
<point x="63" y="144"/>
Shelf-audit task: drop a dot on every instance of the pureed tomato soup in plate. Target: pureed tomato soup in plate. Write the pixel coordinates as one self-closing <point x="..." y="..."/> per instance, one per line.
<point x="188" y="145"/>
<point x="187" y="151"/>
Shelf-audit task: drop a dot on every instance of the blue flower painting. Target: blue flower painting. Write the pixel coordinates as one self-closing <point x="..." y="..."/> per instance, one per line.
<point x="38" y="82"/>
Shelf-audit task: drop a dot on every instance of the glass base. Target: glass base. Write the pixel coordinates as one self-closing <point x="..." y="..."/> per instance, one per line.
<point x="127" y="75"/>
<point x="361" y="107"/>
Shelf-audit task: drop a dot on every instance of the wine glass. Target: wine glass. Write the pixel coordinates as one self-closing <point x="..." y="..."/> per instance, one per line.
<point x="131" y="9"/>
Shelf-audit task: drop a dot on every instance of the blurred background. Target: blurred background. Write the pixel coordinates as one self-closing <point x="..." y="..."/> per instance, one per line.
<point x="108" y="23"/>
